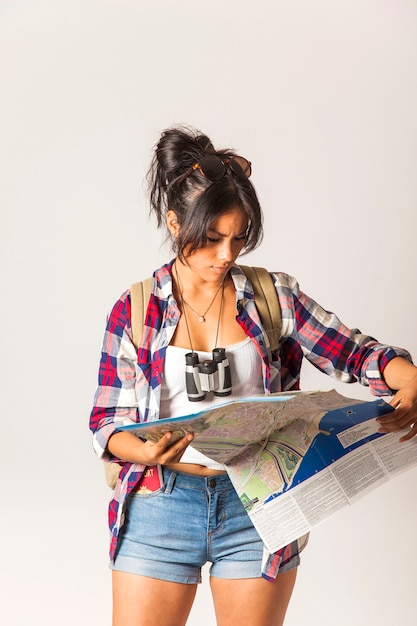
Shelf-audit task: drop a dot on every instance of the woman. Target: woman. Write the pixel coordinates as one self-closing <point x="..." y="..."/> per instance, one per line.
<point x="200" y="301"/>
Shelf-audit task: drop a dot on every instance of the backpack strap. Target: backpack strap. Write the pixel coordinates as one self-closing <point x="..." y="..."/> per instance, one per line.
<point x="266" y="301"/>
<point x="139" y="298"/>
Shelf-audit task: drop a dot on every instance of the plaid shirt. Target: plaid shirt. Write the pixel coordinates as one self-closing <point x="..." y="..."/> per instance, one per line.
<point x="129" y="381"/>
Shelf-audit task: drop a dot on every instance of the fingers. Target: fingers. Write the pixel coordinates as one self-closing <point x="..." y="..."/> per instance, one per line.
<point x="394" y="421"/>
<point x="400" y="419"/>
<point x="411" y="433"/>
<point x="164" y="451"/>
<point x="174" y="451"/>
<point x="405" y="414"/>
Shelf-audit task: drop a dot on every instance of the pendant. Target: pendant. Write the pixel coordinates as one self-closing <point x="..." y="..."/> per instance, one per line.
<point x="201" y="319"/>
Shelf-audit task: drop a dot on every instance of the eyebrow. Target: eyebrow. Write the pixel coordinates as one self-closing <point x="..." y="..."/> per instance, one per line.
<point x="213" y="230"/>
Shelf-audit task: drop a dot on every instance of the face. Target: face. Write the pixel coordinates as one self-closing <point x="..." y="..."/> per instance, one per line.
<point x="226" y="238"/>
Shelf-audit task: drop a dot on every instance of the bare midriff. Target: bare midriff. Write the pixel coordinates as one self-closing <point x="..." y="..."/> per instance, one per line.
<point x="193" y="468"/>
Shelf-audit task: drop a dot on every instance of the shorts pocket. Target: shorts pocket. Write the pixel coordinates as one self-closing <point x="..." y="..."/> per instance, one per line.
<point x="151" y="483"/>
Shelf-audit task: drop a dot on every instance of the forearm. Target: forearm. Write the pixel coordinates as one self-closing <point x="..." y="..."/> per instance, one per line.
<point x="398" y="372"/>
<point x="127" y="447"/>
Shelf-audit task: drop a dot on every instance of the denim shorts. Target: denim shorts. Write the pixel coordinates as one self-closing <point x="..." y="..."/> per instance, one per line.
<point x="171" y="533"/>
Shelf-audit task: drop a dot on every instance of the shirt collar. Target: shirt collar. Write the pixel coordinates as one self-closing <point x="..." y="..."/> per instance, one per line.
<point x="164" y="286"/>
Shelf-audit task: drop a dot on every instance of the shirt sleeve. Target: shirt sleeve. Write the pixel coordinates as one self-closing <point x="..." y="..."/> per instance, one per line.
<point x="344" y="353"/>
<point x="115" y="400"/>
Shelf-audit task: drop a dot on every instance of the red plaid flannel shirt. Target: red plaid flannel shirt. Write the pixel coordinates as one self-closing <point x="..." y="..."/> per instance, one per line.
<point x="129" y="382"/>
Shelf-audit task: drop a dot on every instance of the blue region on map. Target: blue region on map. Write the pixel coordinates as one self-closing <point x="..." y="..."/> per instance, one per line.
<point x="326" y="447"/>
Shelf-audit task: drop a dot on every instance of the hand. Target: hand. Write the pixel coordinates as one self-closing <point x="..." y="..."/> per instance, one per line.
<point x="164" y="452"/>
<point x="128" y="447"/>
<point x="405" y="414"/>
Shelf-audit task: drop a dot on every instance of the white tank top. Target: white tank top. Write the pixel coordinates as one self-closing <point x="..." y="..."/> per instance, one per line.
<point x="246" y="373"/>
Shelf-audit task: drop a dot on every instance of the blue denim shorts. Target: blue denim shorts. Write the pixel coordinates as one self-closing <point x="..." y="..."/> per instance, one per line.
<point x="171" y="533"/>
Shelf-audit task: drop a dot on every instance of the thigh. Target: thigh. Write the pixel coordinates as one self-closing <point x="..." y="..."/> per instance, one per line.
<point x="252" y="601"/>
<point x="142" y="601"/>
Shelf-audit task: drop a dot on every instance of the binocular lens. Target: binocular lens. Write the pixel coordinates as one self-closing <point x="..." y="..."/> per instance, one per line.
<point x="210" y="375"/>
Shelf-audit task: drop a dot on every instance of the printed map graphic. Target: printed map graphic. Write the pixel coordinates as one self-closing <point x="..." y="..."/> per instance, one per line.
<point x="267" y="469"/>
<point x="294" y="458"/>
<point x="262" y="440"/>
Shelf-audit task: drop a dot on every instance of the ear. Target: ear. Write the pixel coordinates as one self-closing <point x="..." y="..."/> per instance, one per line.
<point x="172" y="223"/>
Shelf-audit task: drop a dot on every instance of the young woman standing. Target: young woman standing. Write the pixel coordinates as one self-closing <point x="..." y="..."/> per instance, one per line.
<point x="201" y="301"/>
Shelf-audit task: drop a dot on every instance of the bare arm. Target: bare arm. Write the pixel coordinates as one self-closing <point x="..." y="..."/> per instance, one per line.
<point x="130" y="448"/>
<point x="402" y="375"/>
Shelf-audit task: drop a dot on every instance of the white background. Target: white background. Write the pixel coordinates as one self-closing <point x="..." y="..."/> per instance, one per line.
<point x="322" y="98"/>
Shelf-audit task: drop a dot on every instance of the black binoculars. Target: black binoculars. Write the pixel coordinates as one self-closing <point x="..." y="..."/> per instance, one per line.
<point x="210" y="375"/>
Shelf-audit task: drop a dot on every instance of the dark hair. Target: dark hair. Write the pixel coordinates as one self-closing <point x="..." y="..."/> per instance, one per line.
<point x="195" y="199"/>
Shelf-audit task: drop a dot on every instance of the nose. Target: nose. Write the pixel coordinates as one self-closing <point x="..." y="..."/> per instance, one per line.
<point x="225" y="252"/>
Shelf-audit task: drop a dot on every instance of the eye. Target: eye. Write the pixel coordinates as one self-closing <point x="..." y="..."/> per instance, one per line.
<point x="212" y="240"/>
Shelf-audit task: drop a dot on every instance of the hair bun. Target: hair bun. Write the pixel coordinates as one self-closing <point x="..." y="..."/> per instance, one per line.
<point x="178" y="149"/>
<point x="204" y="143"/>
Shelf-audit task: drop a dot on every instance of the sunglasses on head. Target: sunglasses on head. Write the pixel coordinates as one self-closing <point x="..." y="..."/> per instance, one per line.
<point x="214" y="168"/>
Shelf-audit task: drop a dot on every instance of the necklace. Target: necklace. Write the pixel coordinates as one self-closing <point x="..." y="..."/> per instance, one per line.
<point x="201" y="320"/>
<point x="202" y="316"/>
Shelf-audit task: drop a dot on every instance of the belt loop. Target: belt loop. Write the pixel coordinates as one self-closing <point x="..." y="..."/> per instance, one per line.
<point x="169" y="480"/>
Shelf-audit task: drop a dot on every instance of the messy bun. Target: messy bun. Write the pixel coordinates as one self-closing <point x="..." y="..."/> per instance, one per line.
<point x="196" y="200"/>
